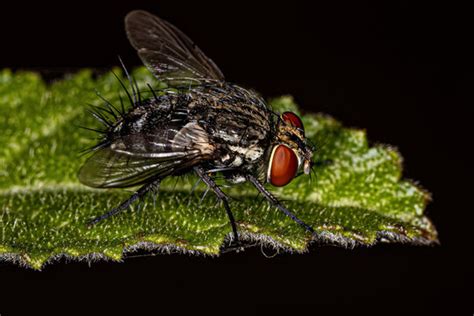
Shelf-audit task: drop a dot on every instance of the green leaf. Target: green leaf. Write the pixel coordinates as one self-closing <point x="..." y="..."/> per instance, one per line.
<point x="357" y="198"/>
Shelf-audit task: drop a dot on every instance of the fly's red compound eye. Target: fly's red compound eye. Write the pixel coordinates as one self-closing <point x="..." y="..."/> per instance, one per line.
<point x="283" y="166"/>
<point x="293" y="120"/>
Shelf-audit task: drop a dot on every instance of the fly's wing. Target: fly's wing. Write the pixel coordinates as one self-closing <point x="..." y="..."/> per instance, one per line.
<point x="169" y="54"/>
<point x="110" y="169"/>
<point x="135" y="159"/>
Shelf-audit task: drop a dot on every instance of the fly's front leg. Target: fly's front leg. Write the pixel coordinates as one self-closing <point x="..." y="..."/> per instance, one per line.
<point x="221" y="196"/>
<point x="274" y="201"/>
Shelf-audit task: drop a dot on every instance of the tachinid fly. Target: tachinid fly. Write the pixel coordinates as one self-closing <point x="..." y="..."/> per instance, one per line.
<point x="203" y="125"/>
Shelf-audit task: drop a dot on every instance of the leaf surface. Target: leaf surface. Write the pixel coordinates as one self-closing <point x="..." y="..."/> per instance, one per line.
<point x="356" y="197"/>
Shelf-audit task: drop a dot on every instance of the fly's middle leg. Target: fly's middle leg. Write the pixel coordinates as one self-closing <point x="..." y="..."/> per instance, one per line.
<point x="221" y="196"/>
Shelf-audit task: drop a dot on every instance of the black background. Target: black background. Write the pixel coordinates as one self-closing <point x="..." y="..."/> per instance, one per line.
<point x="403" y="73"/>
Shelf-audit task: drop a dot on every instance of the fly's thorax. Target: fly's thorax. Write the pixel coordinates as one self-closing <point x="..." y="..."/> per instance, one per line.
<point x="235" y="153"/>
<point x="238" y="125"/>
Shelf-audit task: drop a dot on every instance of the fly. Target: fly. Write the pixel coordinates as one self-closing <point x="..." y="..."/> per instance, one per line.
<point x="202" y="125"/>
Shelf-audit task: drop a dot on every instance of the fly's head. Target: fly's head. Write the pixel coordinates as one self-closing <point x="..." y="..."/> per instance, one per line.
<point x="290" y="153"/>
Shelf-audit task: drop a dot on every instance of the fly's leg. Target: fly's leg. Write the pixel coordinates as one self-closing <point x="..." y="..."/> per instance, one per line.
<point x="274" y="201"/>
<point x="221" y="196"/>
<point x="140" y="193"/>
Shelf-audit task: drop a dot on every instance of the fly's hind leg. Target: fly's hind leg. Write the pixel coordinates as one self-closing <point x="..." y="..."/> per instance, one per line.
<point x="139" y="194"/>
<point x="221" y="196"/>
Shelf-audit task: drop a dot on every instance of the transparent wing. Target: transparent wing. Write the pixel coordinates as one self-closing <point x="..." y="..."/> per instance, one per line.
<point x="136" y="158"/>
<point x="132" y="161"/>
<point x="169" y="54"/>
